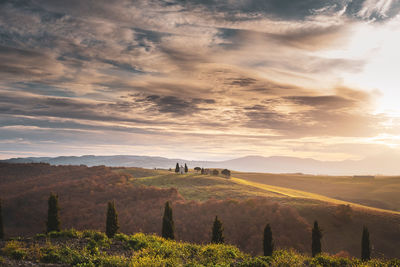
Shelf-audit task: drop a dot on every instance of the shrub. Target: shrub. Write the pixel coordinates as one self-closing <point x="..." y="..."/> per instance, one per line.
<point x="255" y="262"/>
<point x="50" y="254"/>
<point x="15" y="250"/>
<point x="71" y="233"/>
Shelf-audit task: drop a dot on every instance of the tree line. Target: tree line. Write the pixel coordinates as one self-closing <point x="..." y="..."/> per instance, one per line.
<point x="214" y="172"/>
<point x="53" y="223"/>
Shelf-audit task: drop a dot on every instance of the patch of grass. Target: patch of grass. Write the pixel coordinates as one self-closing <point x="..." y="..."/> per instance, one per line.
<point x="140" y="172"/>
<point x="203" y="187"/>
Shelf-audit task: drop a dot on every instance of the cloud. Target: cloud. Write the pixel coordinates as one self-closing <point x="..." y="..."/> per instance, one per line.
<point x="234" y="75"/>
<point x="18" y="63"/>
<point x="176" y="105"/>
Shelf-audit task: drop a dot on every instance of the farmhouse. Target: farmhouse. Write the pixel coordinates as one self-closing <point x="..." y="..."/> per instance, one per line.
<point x="182" y="169"/>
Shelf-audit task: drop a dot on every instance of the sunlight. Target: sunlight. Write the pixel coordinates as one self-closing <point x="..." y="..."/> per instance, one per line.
<point x="376" y="46"/>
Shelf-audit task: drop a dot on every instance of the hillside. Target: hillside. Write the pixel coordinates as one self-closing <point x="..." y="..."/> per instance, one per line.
<point x="140" y="195"/>
<point x="90" y="248"/>
<point x="381" y="192"/>
<point x="380" y="164"/>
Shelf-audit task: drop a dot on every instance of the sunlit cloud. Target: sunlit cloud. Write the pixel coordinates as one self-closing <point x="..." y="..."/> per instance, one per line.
<point x="199" y="79"/>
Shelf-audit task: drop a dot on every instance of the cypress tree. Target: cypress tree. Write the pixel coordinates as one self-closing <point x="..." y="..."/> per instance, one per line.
<point x="177" y="168"/>
<point x="268" y="241"/>
<point x="112" y="224"/>
<point x="168" y="227"/>
<point x="217" y="232"/>
<point x="53" y="214"/>
<point x="1" y="223"/>
<point x="316" y="240"/>
<point x="365" y="245"/>
<point x="186" y="168"/>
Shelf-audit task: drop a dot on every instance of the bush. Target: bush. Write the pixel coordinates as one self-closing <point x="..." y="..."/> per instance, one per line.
<point x="71" y="233"/>
<point x="255" y="262"/>
<point x="50" y="254"/>
<point x="98" y="237"/>
<point x="326" y="260"/>
<point x="15" y="250"/>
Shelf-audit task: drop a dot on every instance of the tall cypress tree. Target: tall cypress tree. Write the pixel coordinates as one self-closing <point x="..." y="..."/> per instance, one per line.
<point x="217" y="232"/>
<point x="365" y="245"/>
<point x="177" y="168"/>
<point x="186" y="168"/>
<point x="168" y="227"/>
<point x="53" y="214"/>
<point x="112" y="224"/>
<point x="1" y="223"/>
<point x="316" y="240"/>
<point x="268" y="241"/>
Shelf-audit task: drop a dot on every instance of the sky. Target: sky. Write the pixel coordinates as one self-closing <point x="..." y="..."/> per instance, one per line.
<point x="200" y="79"/>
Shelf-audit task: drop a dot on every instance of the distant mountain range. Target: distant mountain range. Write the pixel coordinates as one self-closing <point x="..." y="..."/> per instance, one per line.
<point x="373" y="166"/>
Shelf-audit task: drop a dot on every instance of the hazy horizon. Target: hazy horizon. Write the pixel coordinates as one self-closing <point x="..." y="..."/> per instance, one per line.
<point x="200" y="80"/>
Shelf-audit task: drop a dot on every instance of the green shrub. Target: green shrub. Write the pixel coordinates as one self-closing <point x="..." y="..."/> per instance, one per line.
<point x="288" y="258"/>
<point x="92" y="247"/>
<point x="136" y="244"/>
<point x="255" y="262"/>
<point x="85" y="264"/>
<point x="51" y="255"/>
<point x="394" y="263"/>
<point x="15" y="250"/>
<point x="71" y="233"/>
<point x="40" y="236"/>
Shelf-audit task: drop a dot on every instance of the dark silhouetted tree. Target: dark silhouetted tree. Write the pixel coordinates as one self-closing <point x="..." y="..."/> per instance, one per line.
<point x="53" y="214"/>
<point x="215" y="172"/>
<point x="112" y="225"/>
<point x="1" y="222"/>
<point x="268" y="241"/>
<point x="177" y="168"/>
<point x="186" y="168"/>
<point x="168" y="227"/>
<point x="365" y="245"/>
<point x="316" y="240"/>
<point x="226" y="172"/>
<point x="197" y="169"/>
<point x="217" y="232"/>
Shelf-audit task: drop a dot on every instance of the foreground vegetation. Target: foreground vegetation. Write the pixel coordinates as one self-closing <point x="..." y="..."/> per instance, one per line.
<point x="92" y="248"/>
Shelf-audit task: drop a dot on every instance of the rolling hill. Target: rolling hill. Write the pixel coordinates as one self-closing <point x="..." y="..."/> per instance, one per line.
<point x="243" y="206"/>
<point x="381" y="164"/>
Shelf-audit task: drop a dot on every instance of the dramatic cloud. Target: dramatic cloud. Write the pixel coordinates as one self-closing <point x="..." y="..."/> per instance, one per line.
<point x="199" y="79"/>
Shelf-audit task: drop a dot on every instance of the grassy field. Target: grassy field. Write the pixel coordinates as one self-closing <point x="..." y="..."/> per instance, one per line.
<point x="193" y="186"/>
<point x="91" y="248"/>
<point x="381" y="192"/>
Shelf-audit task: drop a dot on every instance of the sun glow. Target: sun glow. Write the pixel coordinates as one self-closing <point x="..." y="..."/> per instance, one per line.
<point x="377" y="47"/>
